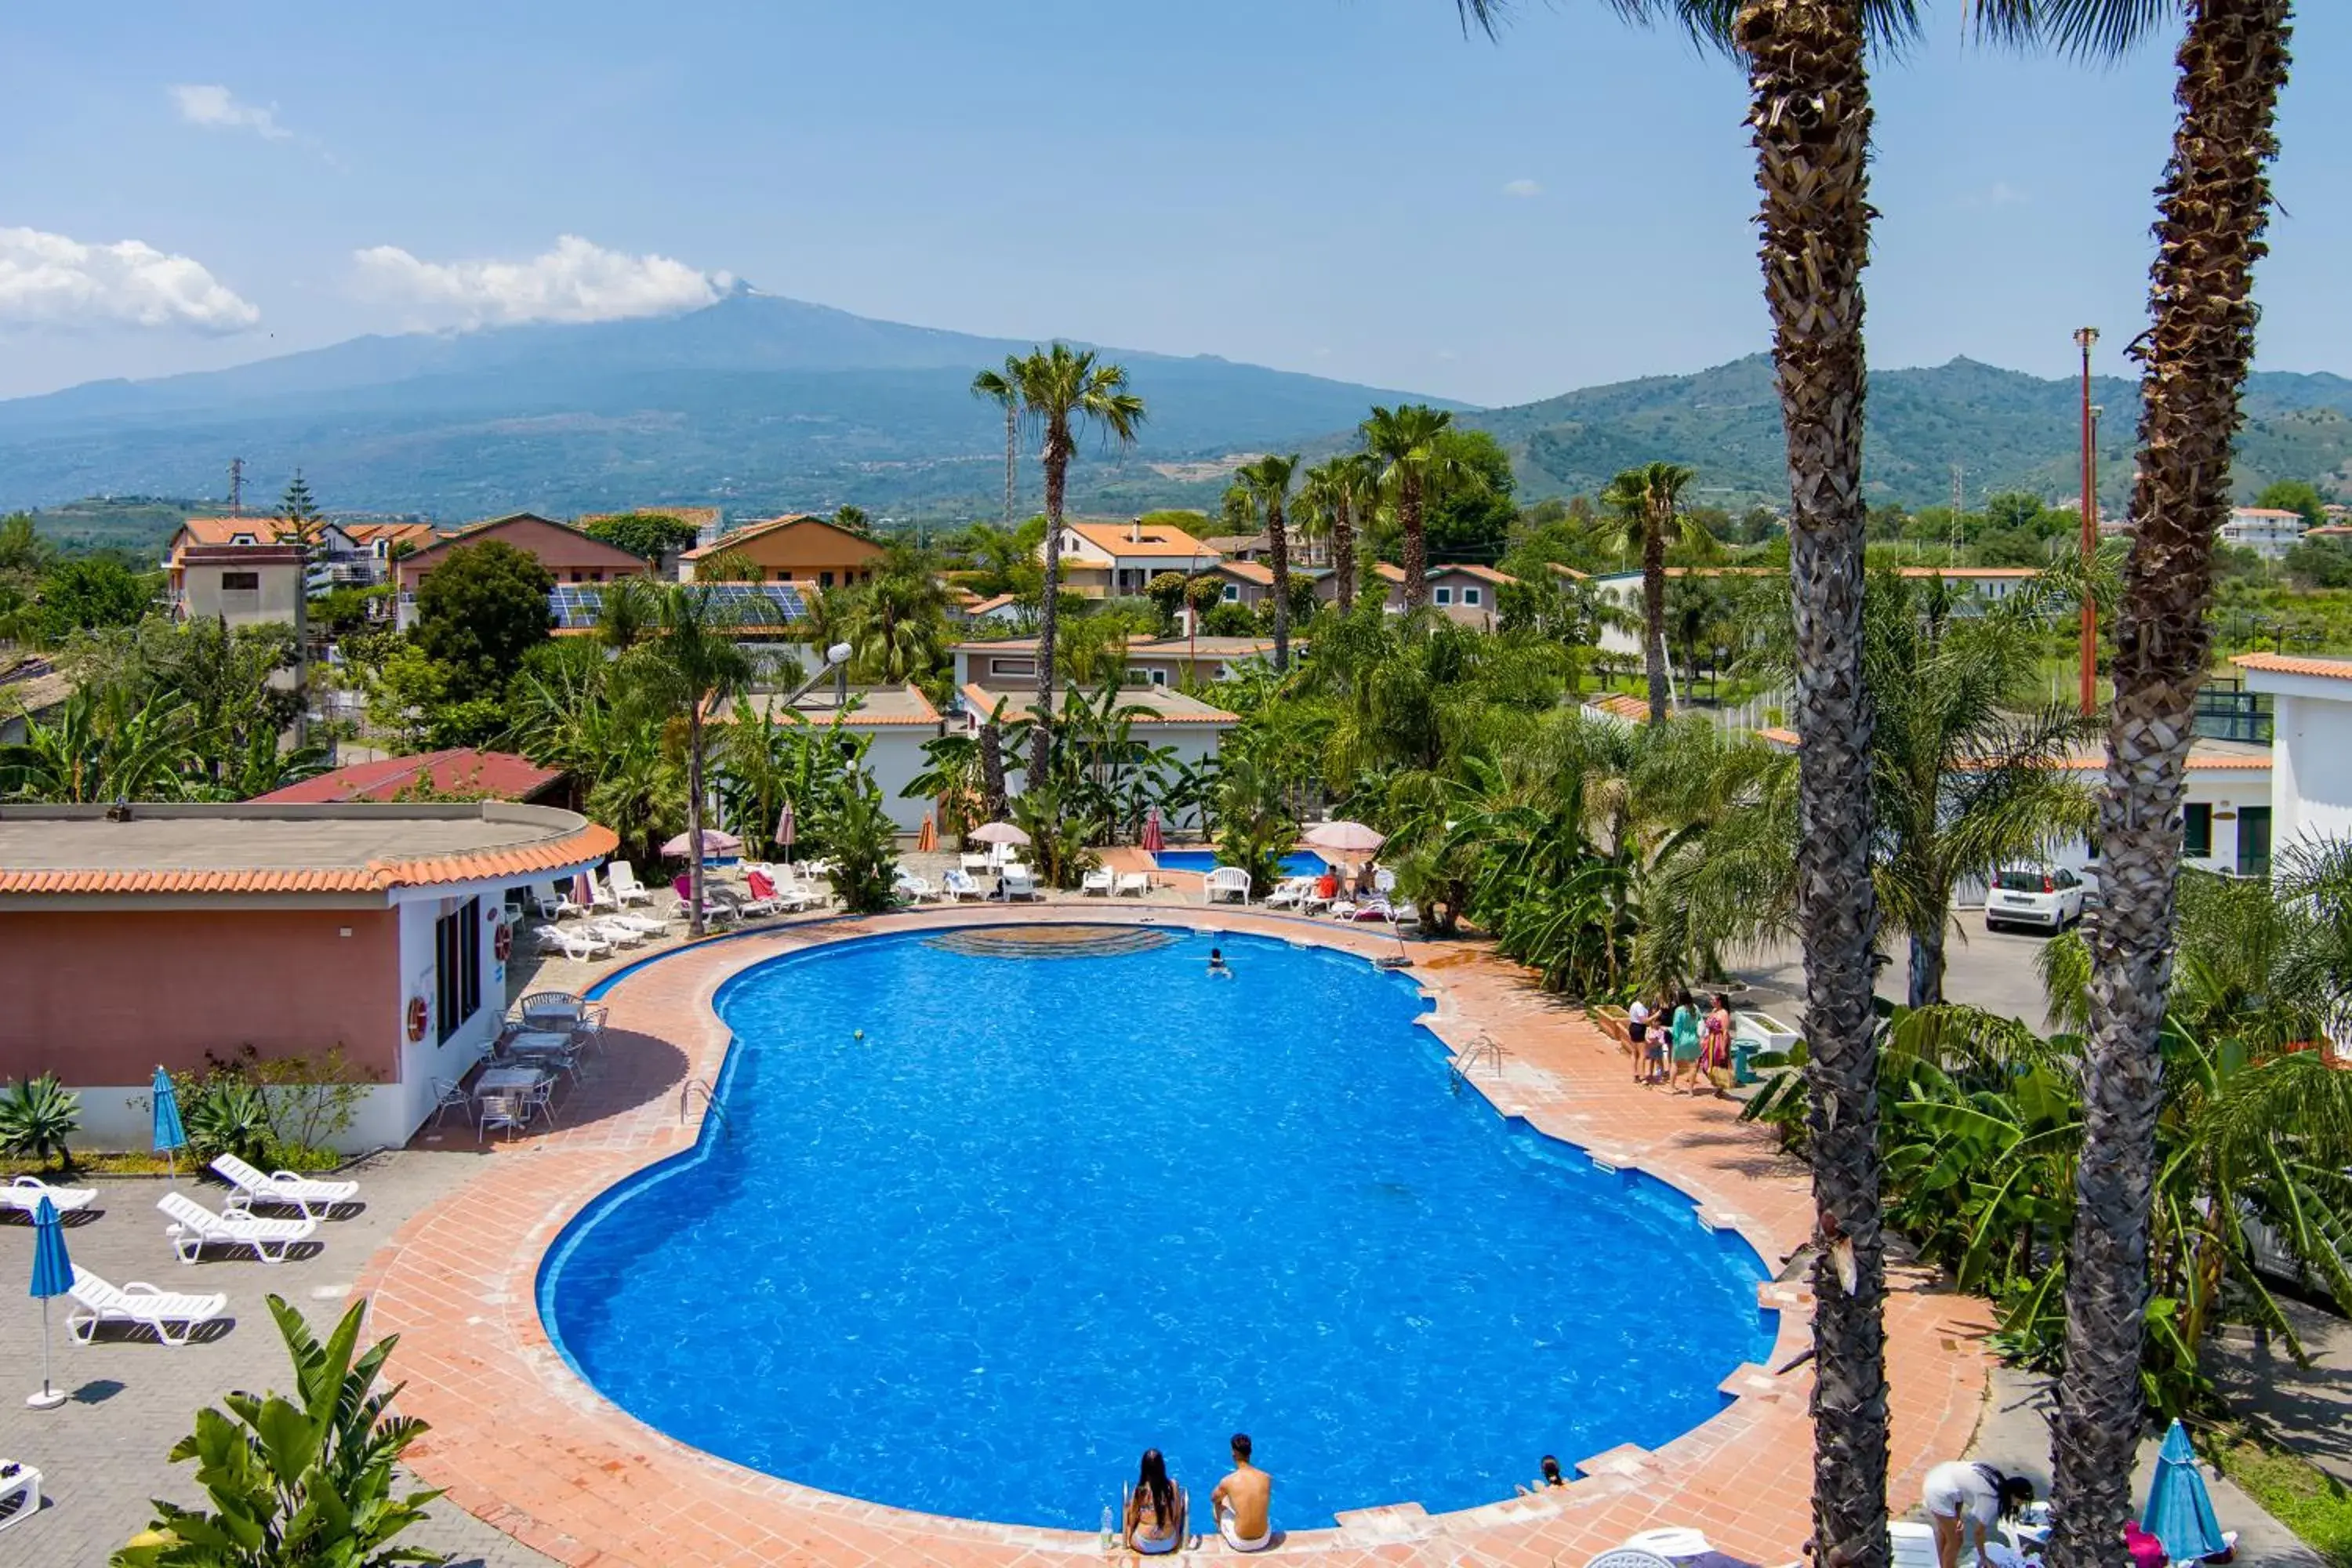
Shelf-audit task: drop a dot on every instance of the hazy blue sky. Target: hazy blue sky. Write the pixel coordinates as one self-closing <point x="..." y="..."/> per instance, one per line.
<point x="1346" y="186"/>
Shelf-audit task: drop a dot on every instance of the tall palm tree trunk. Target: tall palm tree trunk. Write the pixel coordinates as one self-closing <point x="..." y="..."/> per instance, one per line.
<point x="1011" y="459"/>
<point x="2212" y="208"/>
<point x="694" y="816"/>
<point x="992" y="773"/>
<point x="1343" y="556"/>
<point x="1811" y="125"/>
<point x="1057" y="471"/>
<point x="1654" y="614"/>
<point x="1416" y="552"/>
<point x="1277" y="546"/>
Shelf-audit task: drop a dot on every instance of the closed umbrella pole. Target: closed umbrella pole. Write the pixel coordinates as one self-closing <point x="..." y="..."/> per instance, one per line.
<point x="52" y="1276"/>
<point x="169" y="1132"/>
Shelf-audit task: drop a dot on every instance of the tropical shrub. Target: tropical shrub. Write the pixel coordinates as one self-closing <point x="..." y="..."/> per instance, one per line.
<point x="296" y="1483"/>
<point x="36" y="1117"/>
<point x="1058" y="835"/>
<point x="861" y="842"/>
<point x="279" y="1112"/>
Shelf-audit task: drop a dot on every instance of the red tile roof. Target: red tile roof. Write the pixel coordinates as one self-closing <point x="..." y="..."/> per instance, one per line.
<point x="500" y="775"/>
<point x="2295" y="664"/>
<point x="1619" y="705"/>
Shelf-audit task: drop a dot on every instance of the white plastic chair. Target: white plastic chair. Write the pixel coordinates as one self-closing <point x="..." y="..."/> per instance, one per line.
<point x="20" y="1496"/>
<point x="1136" y="882"/>
<point x="1226" y="881"/>
<point x="1019" y="883"/>
<point x="622" y="879"/>
<point x="1094" y="882"/>
<point x="960" y="885"/>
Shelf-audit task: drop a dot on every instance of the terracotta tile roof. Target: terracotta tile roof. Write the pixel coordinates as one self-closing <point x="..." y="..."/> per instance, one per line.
<point x="225" y="530"/>
<point x="1165" y="707"/>
<point x="1248" y="572"/>
<point x="2295" y="664"/>
<point x="876" y="706"/>
<point x="1570" y="572"/>
<point x="502" y="775"/>
<point x="239" y="849"/>
<point x="982" y="607"/>
<point x="2268" y="513"/>
<point x="2223" y="755"/>
<point x="1156" y="541"/>
<point x="1470" y="569"/>
<point x="751" y="530"/>
<point x="1617" y="705"/>
<point x="1778" y="736"/>
<point x="419" y="533"/>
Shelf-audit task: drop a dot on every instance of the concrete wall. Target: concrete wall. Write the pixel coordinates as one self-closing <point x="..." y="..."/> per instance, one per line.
<point x="275" y="600"/>
<point x="2312" y="760"/>
<point x="893" y="761"/>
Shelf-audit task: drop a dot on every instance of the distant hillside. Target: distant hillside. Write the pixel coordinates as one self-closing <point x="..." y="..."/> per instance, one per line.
<point x="753" y="403"/>
<point x="2008" y="430"/>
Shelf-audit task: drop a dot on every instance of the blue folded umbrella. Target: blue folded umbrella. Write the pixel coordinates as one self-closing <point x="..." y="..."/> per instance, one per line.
<point x="2180" y="1512"/>
<point x="168" y="1134"/>
<point x="52" y="1276"/>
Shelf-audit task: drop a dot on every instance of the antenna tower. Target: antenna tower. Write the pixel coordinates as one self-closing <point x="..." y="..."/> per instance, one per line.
<point x="1959" y="493"/>
<point x="236" y="487"/>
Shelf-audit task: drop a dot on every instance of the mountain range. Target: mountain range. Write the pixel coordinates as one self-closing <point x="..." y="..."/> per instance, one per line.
<point x="758" y="402"/>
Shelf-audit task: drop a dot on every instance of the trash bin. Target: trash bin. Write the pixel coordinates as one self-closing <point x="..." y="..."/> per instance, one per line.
<point x="1743" y="1052"/>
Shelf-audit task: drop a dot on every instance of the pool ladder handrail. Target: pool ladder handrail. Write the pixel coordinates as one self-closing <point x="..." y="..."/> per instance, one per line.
<point x="709" y="1099"/>
<point x="1486" y="1047"/>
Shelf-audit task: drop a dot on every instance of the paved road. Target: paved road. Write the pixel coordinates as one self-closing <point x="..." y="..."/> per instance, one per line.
<point x="103" y="1453"/>
<point x="1992" y="970"/>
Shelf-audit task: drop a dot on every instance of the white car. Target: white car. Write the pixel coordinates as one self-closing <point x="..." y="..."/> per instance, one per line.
<point x="2049" y="897"/>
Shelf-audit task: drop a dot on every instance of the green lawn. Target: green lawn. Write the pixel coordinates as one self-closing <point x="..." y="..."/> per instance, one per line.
<point x="2304" y="1499"/>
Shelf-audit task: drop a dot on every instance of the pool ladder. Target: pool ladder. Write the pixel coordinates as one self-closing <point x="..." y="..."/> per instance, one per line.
<point x="1485" y="1049"/>
<point x="686" y="1098"/>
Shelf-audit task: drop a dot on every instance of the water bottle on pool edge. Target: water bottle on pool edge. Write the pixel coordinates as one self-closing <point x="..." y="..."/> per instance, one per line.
<point x="1107" y="1535"/>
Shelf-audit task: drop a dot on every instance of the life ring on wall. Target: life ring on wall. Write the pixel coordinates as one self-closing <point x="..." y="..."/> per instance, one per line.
<point x="417" y="1018"/>
<point x="502" y="943"/>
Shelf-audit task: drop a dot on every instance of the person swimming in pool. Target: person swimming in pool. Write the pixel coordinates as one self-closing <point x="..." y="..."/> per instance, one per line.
<point x="1217" y="968"/>
<point x="1241" y="1502"/>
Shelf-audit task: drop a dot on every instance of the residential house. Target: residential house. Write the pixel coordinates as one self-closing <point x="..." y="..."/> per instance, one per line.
<point x="31" y="691"/>
<point x="239" y="584"/>
<point x="1242" y="546"/>
<point x="1118" y="560"/>
<point x="1176" y="661"/>
<point x="1251" y="582"/>
<point x="570" y="556"/>
<point x="896" y="721"/>
<point x="2311" y="736"/>
<point x="1466" y="593"/>
<point x="2269" y="531"/>
<point x="805" y="550"/>
<point x="1185" y="727"/>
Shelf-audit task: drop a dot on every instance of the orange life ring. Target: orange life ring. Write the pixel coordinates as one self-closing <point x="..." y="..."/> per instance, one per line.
<point x="503" y="943"/>
<point x="417" y="1018"/>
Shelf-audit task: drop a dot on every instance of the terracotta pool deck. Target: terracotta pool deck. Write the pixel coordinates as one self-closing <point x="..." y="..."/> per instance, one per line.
<point x="520" y="1441"/>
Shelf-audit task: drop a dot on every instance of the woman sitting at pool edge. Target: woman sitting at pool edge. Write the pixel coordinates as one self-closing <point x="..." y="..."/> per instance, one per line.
<point x="1155" y="1509"/>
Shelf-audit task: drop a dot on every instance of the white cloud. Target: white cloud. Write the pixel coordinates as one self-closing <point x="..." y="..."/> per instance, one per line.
<point x="574" y="281"/>
<point x="1522" y="188"/>
<point x="214" y="106"/>
<point x="50" y="279"/>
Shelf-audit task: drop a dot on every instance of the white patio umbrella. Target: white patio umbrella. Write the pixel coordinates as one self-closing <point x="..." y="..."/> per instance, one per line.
<point x="715" y="841"/>
<point x="998" y="833"/>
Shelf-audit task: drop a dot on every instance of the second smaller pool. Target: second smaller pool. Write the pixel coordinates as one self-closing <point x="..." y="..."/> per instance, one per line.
<point x="1297" y="863"/>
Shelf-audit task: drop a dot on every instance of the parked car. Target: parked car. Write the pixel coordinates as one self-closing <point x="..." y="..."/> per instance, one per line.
<point x="2048" y="896"/>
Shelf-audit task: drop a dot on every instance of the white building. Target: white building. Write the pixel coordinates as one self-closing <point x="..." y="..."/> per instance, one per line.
<point x="1118" y="560"/>
<point x="2311" y="784"/>
<point x="2269" y="531"/>
<point x="895" y="720"/>
<point x="1187" y="728"/>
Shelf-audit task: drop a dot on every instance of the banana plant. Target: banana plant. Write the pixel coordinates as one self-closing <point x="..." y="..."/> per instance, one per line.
<point x="305" y="1481"/>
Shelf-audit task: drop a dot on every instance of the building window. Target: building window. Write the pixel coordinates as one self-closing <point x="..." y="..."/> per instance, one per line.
<point x="1232" y="593"/>
<point x="2197" y="832"/>
<point x="1011" y="666"/>
<point x="457" y="965"/>
<point x="825" y="579"/>
<point x="240" y="581"/>
<point x="1159" y="676"/>
<point x="785" y="575"/>
<point x="575" y="577"/>
<point x="1442" y="596"/>
<point x="1469" y="595"/>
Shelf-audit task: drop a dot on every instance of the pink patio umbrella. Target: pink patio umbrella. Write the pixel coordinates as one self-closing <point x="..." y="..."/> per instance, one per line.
<point x="1344" y="837"/>
<point x="715" y="841"/>
<point x="786" y="830"/>
<point x="1154" y="841"/>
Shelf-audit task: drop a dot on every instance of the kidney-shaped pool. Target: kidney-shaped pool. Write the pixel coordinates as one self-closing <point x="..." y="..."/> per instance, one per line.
<point x="981" y="1219"/>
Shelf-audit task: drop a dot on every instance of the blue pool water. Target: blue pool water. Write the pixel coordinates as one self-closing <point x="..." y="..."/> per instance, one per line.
<point x="1298" y="863"/>
<point x="1050" y="1212"/>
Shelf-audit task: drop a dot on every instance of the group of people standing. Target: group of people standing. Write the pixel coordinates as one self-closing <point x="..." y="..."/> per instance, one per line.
<point x="1676" y="1045"/>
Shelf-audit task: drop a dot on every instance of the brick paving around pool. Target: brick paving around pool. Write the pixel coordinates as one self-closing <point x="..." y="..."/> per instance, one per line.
<point x="523" y="1443"/>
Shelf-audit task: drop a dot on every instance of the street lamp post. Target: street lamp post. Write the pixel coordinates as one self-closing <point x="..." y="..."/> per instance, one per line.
<point x="2083" y="339"/>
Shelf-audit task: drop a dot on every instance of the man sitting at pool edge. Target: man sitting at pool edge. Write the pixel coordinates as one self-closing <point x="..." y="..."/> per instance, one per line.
<point x="1241" y="1501"/>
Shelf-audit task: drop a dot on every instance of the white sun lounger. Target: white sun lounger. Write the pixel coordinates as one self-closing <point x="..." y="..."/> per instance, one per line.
<point x="1020" y="882"/>
<point x="918" y="888"/>
<point x="960" y="885"/>
<point x="20" y="1496"/>
<point x="1102" y="882"/>
<point x="140" y="1303"/>
<point x="26" y="1193"/>
<point x="576" y="944"/>
<point x="622" y="878"/>
<point x="1293" y="890"/>
<point x="195" y="1227"/>
<point x="1136" y="882"/>
<point x="254" y="1185"/>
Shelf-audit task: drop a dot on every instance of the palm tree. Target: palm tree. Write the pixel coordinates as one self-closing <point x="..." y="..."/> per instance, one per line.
<point x="1003" y="388"/>
<point x="1413" y="464"/>
<point x="1337" y="493"/>
<point x="897" y="622"/>
<point x="1268" y="483"/>
<point x="1647" y="503"/>
<point x="1059" y="387"/>
<point x="2212" y="209"/>
<point x="689" y="661"/>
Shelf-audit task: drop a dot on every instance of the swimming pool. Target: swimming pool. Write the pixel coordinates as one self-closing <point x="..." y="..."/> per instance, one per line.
<point x="1297" y="863"/>
<point x="1051" y="1210"/>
